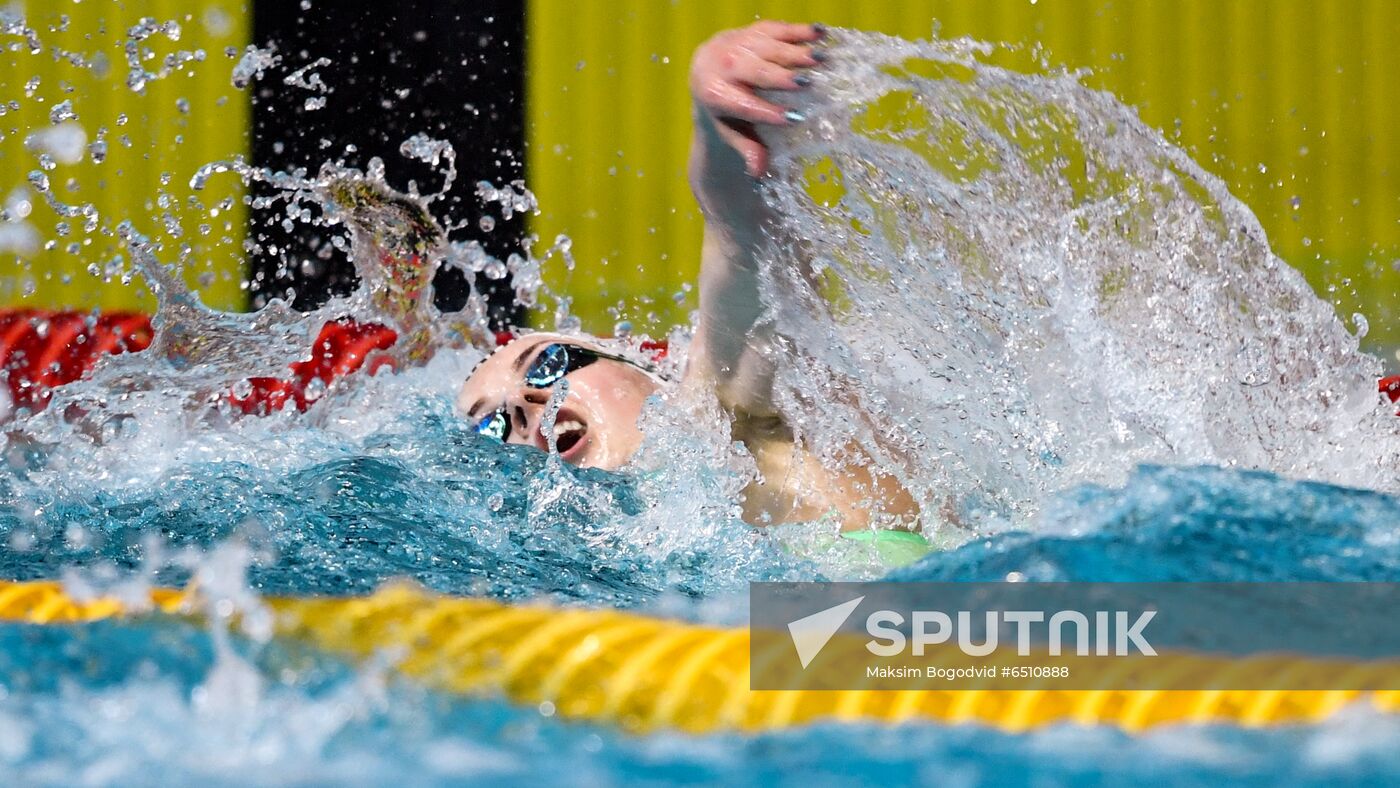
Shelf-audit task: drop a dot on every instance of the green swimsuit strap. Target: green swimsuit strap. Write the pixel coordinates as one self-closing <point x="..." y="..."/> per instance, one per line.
<point x="896" y="548"/>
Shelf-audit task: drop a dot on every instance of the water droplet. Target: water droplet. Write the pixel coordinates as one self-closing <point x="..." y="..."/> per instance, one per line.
<point x="252" y="65"/>
<point x="315" y="389"/>
<point x="62" y="111"/>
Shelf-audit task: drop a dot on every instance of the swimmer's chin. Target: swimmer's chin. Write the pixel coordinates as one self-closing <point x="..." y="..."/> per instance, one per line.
<point x="585" y="454"/>
<point x="582" y="443"/>
<point x="593" y="451"/>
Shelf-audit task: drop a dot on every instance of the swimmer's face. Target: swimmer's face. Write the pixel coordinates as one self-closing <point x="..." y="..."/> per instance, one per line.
<point x="596" y="426"/>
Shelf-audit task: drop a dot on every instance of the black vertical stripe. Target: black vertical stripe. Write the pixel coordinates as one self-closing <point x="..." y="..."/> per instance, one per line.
<point x="453" y="70"/>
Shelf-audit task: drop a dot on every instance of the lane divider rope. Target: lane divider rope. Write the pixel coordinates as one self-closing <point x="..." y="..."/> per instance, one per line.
<point x="643" y="673"/>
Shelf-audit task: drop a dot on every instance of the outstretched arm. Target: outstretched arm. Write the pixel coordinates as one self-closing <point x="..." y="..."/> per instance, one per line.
<point x="727" y="158"/>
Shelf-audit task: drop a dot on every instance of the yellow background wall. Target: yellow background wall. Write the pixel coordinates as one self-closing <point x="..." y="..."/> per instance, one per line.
<point x="1294" y="102"/>
<point x="167" y="145"/>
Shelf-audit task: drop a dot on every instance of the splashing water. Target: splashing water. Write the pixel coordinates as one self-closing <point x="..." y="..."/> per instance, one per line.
<point x="1001" y="287"/>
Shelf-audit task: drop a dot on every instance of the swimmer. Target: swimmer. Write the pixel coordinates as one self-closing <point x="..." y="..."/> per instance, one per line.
<point x="731" y="354"/>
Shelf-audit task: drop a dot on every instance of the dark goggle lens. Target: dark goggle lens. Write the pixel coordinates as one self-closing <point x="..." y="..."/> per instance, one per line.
<point x="496" y="425"/>
<point x="553" y="363"/>
<point x="556" y="361"/>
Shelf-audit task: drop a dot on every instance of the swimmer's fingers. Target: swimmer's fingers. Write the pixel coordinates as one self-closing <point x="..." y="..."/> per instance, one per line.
<point x="744" y="140"/>
<point x="793" y="33"/>
<point x="755" y="71"/>
<point x="783" y="53"/>
<point x="728" y="99"/>
<point x="727" y="70"/>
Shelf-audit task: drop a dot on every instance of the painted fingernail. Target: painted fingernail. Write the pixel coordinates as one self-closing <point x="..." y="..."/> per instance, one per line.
<point x="819" y="55"/>
<point x="819" y="29"/>
<point x="801" y="80"/>
<point x="793" y="116"/>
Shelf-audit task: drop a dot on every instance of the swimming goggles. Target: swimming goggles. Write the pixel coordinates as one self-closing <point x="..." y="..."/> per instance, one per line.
<point x="552" y="364"/>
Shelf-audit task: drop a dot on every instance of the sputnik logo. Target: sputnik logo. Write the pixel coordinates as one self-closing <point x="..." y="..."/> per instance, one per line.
<point x="811" y="633"/>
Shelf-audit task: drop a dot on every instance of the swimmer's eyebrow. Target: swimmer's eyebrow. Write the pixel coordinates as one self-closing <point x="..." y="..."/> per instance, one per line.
<point x="519" y="362"/>
<point x="517" y="365"/>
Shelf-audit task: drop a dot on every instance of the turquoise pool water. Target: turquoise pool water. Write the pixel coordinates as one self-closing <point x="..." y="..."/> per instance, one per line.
<point x="163" y="701"/>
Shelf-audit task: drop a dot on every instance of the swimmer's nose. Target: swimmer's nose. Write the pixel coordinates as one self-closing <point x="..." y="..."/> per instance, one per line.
<point x="526" y="410"/>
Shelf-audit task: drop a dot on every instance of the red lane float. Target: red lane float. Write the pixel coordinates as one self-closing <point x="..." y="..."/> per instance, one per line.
<point x="340" y="349"/>
<point x="41" y="350"/>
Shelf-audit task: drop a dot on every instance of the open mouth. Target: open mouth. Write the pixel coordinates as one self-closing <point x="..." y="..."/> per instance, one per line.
<point x="570" y="434"/>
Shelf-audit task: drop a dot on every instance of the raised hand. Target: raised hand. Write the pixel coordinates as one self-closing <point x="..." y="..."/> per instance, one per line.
<point x="727" y="70"/>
